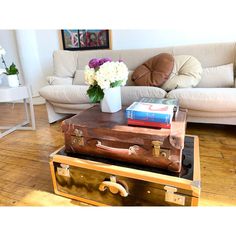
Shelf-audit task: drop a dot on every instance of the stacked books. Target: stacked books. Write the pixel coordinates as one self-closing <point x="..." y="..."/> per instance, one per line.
<point x="152" y="112"/>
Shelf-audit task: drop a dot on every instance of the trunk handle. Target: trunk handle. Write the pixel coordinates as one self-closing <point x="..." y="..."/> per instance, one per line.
<point x="131" y="150"/>
<point x="114" y="187"/>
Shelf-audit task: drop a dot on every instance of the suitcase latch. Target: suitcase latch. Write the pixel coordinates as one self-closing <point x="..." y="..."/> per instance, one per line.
<point x="156" y="148"/>
<point x="172" y="197"/>
<point x="158" y="151"/>
<point x="78" y="139"/>
<point x="64" y="170"/>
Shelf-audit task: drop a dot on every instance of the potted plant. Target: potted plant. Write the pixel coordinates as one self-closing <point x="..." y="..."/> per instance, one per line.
<point x="11" y="71"/>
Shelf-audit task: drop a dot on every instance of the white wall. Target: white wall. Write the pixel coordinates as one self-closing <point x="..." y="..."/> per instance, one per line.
<point x="48" y="41"/>
<point x="35" y="49"/>
<point x="131" y="39"/>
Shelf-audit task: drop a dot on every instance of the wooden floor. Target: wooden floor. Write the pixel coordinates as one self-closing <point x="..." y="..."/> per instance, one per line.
<point x="25" y="177"/>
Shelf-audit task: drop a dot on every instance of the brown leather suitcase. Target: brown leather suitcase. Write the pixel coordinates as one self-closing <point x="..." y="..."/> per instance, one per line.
<point x="106" y="135"/>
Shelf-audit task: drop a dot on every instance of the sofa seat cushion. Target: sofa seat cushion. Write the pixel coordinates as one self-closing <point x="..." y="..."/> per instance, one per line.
<point x="77" y="94"/>
<point x="155" y="71"/>
<point x="75" y="107"/>
<point x="65" y="93"/>
<point x="206" y="99"/>
<point x="208" y="114"/>
<point x="186" y="73"/>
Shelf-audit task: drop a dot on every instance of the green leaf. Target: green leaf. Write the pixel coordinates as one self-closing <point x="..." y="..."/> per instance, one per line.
<point x="116" y="84"/>
<point x="12" y="70"/>
<point x="95" y="93"/>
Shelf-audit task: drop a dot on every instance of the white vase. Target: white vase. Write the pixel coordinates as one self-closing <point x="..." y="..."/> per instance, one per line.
<point x="112" y="100"/>
<point x="13" y="81"/>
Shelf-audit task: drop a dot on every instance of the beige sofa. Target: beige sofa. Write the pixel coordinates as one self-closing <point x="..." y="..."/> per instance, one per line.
<point x="212" y="101"/>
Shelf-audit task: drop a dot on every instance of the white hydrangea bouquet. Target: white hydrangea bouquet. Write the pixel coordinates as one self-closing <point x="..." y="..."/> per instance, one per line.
<point x="102" y="74"/>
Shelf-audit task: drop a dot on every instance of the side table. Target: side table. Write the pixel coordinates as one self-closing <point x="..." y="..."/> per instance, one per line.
<point x="8" y="94"/>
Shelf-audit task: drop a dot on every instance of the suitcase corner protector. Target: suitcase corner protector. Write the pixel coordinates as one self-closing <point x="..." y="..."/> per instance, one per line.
<point x="196" y="183"/>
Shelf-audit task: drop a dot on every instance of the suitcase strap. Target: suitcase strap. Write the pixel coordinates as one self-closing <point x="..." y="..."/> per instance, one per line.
<point x="129" y="151"/>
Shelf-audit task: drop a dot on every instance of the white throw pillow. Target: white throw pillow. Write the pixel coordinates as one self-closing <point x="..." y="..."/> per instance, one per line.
<point x="186" y="73"/>
<point x="217" y="77"/>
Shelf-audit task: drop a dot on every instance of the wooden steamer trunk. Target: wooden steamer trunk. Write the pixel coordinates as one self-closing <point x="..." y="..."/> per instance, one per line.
<point x="99" y="181"/>
<point x="107" y="135"/>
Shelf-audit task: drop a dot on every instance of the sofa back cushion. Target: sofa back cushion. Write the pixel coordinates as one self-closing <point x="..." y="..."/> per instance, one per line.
<point x="217" y="77"/>
<point x="64" y="63"/>
<point x="79" y="78"/>
<point x="210" y="55"/>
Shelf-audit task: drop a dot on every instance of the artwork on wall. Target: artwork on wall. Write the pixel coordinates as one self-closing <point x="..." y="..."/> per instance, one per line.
<point x="83" y="39"/>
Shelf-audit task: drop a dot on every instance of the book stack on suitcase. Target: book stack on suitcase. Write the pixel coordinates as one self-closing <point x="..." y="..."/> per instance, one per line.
<point x="152" y="112"/>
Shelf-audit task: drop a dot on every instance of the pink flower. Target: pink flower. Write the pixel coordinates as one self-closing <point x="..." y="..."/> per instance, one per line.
<point x="93" y="63"/>
<point x="103" y="60"/>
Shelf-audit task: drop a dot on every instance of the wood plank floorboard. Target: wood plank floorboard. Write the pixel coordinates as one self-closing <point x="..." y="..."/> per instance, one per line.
<point x="25" y="176"/>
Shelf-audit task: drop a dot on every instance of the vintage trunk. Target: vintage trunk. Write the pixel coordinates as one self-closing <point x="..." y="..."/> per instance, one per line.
<point x="107" y="135"/>
<point x="108" y="182"/>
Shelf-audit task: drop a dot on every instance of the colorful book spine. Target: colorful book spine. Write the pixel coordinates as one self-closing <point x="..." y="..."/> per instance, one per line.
<point x="148" y="124"/>
<point x="149" y="116"/>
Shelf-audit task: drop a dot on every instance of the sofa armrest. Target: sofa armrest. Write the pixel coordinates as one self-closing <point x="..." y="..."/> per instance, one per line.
<point x="55" y="80"/>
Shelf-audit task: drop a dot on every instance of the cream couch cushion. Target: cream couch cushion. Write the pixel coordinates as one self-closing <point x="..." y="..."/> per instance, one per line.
<point x="65" y="93"/>
<point x="78" y="93"/>
<point x="206" y="99"/>
<point x="79" y="78"/>
<point x="217" y="77"/>
<point x="209" y="54"/>
<point x="186" y="73"/>
<point x="64" y="63"/>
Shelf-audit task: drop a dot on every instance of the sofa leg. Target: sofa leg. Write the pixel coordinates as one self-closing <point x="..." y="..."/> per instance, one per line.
<point x="52" y="115"/>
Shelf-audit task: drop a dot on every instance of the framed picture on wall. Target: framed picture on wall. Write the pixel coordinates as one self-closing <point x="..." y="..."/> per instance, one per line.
<point x="82" y="39"/>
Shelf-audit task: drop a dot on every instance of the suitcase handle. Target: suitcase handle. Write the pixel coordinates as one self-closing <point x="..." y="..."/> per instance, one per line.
<point x="131" y="150"/>
<point x="114" y="187"/>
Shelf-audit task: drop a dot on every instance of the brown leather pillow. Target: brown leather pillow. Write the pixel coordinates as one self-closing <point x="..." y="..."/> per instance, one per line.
<point x="155" y="71"/>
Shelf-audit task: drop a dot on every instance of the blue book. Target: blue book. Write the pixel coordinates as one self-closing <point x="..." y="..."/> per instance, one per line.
<point x="150" y="112"/>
